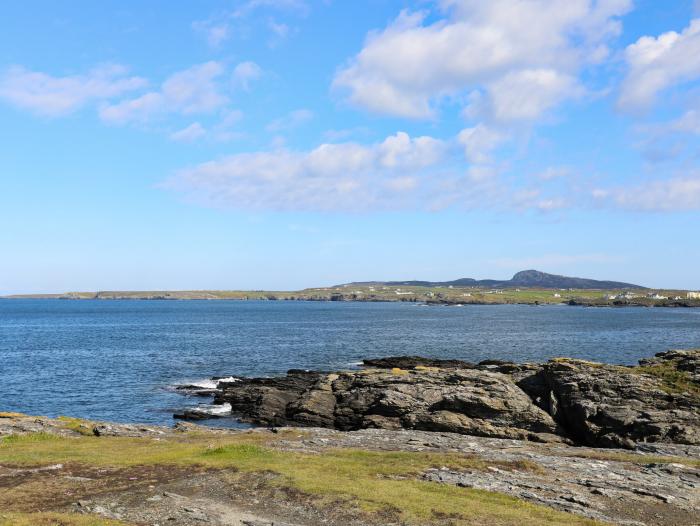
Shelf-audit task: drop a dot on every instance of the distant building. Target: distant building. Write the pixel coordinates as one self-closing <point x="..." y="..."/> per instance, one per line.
<point x="656" y="296"/>
<point x="693" y="295"/>
<point x="623" y="296"/>
<point x="557" y="295"/>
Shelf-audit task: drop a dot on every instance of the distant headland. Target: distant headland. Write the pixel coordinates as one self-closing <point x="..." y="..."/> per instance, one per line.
<point x="529" y="287"/>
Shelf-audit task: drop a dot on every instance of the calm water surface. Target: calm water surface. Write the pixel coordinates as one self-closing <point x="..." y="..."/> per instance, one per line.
<point x="114" y="360"/>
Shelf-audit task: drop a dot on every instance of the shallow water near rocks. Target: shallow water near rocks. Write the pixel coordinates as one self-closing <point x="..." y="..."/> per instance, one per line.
<point x="116" y="360"/>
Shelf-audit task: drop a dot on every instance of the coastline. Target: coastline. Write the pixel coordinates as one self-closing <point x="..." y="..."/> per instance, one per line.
<point x="417" y="295"/>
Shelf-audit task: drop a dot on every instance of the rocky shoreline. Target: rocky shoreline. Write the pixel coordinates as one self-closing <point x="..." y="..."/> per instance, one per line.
<point x="564" y="400"/>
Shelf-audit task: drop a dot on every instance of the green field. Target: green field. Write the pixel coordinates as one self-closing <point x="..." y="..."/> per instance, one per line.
<point x="429" y="295"/>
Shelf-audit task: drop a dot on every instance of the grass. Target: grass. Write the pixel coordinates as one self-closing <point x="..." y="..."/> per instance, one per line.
<point x="372" y="482"/>
<point x="672" y="380"/>
<point x="53" y="519"/>
<point x="385" y="293"/>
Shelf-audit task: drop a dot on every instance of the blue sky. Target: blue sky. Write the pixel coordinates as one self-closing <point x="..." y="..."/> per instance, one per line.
<point x="282" y="144"/>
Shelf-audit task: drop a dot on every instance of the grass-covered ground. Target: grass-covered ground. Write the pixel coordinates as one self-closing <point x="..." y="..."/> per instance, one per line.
<point x="456" y="295"/>
<point x="375" y="484"/>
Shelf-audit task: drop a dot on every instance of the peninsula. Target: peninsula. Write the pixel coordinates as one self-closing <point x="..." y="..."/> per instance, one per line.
<point x="530" y="287"/>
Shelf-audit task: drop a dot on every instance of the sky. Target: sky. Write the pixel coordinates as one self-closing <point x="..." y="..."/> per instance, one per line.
<point x="282" y="144"/>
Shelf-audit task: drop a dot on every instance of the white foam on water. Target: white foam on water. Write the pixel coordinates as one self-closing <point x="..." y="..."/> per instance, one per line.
<point x="228" y="379"/>
<point x="214" y="410"/>
<point x="209" y="383"/>
<point x="204" y="384"/>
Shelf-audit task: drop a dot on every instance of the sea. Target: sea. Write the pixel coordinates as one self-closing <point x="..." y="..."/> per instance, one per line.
<point x="119" y="360"/>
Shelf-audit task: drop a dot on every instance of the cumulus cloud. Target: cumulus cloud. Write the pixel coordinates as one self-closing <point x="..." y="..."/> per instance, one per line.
<point x="194" y="90"/>
<point x="658" y="63"/>
<point x="340" y="177"/>
<point x="55" y="96"/>
<point x="524" y="55"/>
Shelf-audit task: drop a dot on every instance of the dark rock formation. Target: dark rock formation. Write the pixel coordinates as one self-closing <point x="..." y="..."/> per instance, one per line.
<point x="411" y="362"/>
<point x="589" y="403"/>
<point x="612" y="406"/>
<point x="466" y="401"/>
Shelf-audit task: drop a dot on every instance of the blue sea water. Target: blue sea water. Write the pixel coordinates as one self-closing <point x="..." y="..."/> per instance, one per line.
<point x="115" y="360"/>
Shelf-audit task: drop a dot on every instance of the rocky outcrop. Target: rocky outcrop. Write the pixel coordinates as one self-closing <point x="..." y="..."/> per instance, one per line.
<point x="467" y="401"/>
<point x="562" y="400"/>
<point x="612" y="406"/>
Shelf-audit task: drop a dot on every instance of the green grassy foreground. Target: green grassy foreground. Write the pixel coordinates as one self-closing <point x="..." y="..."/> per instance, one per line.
<point x="372" y="482"/>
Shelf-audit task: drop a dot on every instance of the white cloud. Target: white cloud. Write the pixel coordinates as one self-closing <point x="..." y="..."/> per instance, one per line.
<point x="45" y="94"/>
<point x="248" y="7"/>
<point x="222" y="25"/>
<point x="525" y="95"/>
<point x="405" y="173"/>
<point x="479" y="142"/>
<point x="194" y="90"/>
<point x="657" y="63"/>
<point x="689" y="122"/>
<point x="279" y="29"/>
<point x="677" y="194"/>
<point x="215" y="32"/>
<point x="331" y="177"/>
<point x="554" y="172"/>
<point x="245" y="73"/>
<point x="290" y="121"/>
<point x="189" y="134"/>
<point x="524" y="54"/>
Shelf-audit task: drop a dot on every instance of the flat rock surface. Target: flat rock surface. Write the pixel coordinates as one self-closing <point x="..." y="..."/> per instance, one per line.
<point x="654" y="484"/>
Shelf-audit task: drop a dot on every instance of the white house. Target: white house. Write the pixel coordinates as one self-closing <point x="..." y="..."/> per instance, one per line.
<point x="693" y="295"/>
<point x="656" y="296"/>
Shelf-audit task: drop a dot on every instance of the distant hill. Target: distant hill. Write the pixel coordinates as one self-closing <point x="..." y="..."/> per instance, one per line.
<point x="525" y="278"/>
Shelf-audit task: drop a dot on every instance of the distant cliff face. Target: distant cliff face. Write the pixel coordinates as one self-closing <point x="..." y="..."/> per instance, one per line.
<point x="525" y="278"/>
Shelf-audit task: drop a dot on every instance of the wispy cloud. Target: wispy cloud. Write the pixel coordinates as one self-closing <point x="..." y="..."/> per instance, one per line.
<point x="290" y="121"/>
<point x="194" y="90"/>
<point x="678" y="194"/>
<point x="56" y="96"/>
<point x="219" y="27"/>
<point x="245" y="73"/>
<point x="189" y="134"/>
